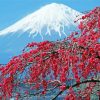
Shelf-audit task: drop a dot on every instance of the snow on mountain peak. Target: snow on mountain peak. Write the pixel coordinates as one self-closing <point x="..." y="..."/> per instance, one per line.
<point x="52" y="17"/>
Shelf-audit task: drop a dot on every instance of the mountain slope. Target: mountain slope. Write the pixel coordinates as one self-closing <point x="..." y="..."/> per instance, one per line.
<point x="50" y="17"/>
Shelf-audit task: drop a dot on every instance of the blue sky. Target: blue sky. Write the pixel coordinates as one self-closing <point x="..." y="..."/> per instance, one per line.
<point x="13" y="10"/>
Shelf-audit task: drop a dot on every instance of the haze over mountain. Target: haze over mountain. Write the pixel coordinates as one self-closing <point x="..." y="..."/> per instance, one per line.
<point x="51" y="22"/>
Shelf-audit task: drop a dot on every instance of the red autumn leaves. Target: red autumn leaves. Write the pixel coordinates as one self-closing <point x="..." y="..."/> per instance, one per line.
<point x="74" y="58"/>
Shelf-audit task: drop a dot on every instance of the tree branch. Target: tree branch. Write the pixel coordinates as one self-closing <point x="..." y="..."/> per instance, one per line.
<point x="67" y="87"/>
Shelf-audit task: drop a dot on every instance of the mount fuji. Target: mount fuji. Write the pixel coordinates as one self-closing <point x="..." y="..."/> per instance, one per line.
<point x="51" y="22"/>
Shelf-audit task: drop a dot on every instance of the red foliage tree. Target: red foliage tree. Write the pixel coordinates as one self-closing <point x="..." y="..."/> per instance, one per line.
<point x="70" y="66"/>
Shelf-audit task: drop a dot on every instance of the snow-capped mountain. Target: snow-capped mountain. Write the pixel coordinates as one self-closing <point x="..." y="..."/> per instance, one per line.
<point x="51" y="22"/>
<point x="52" y="17"/>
